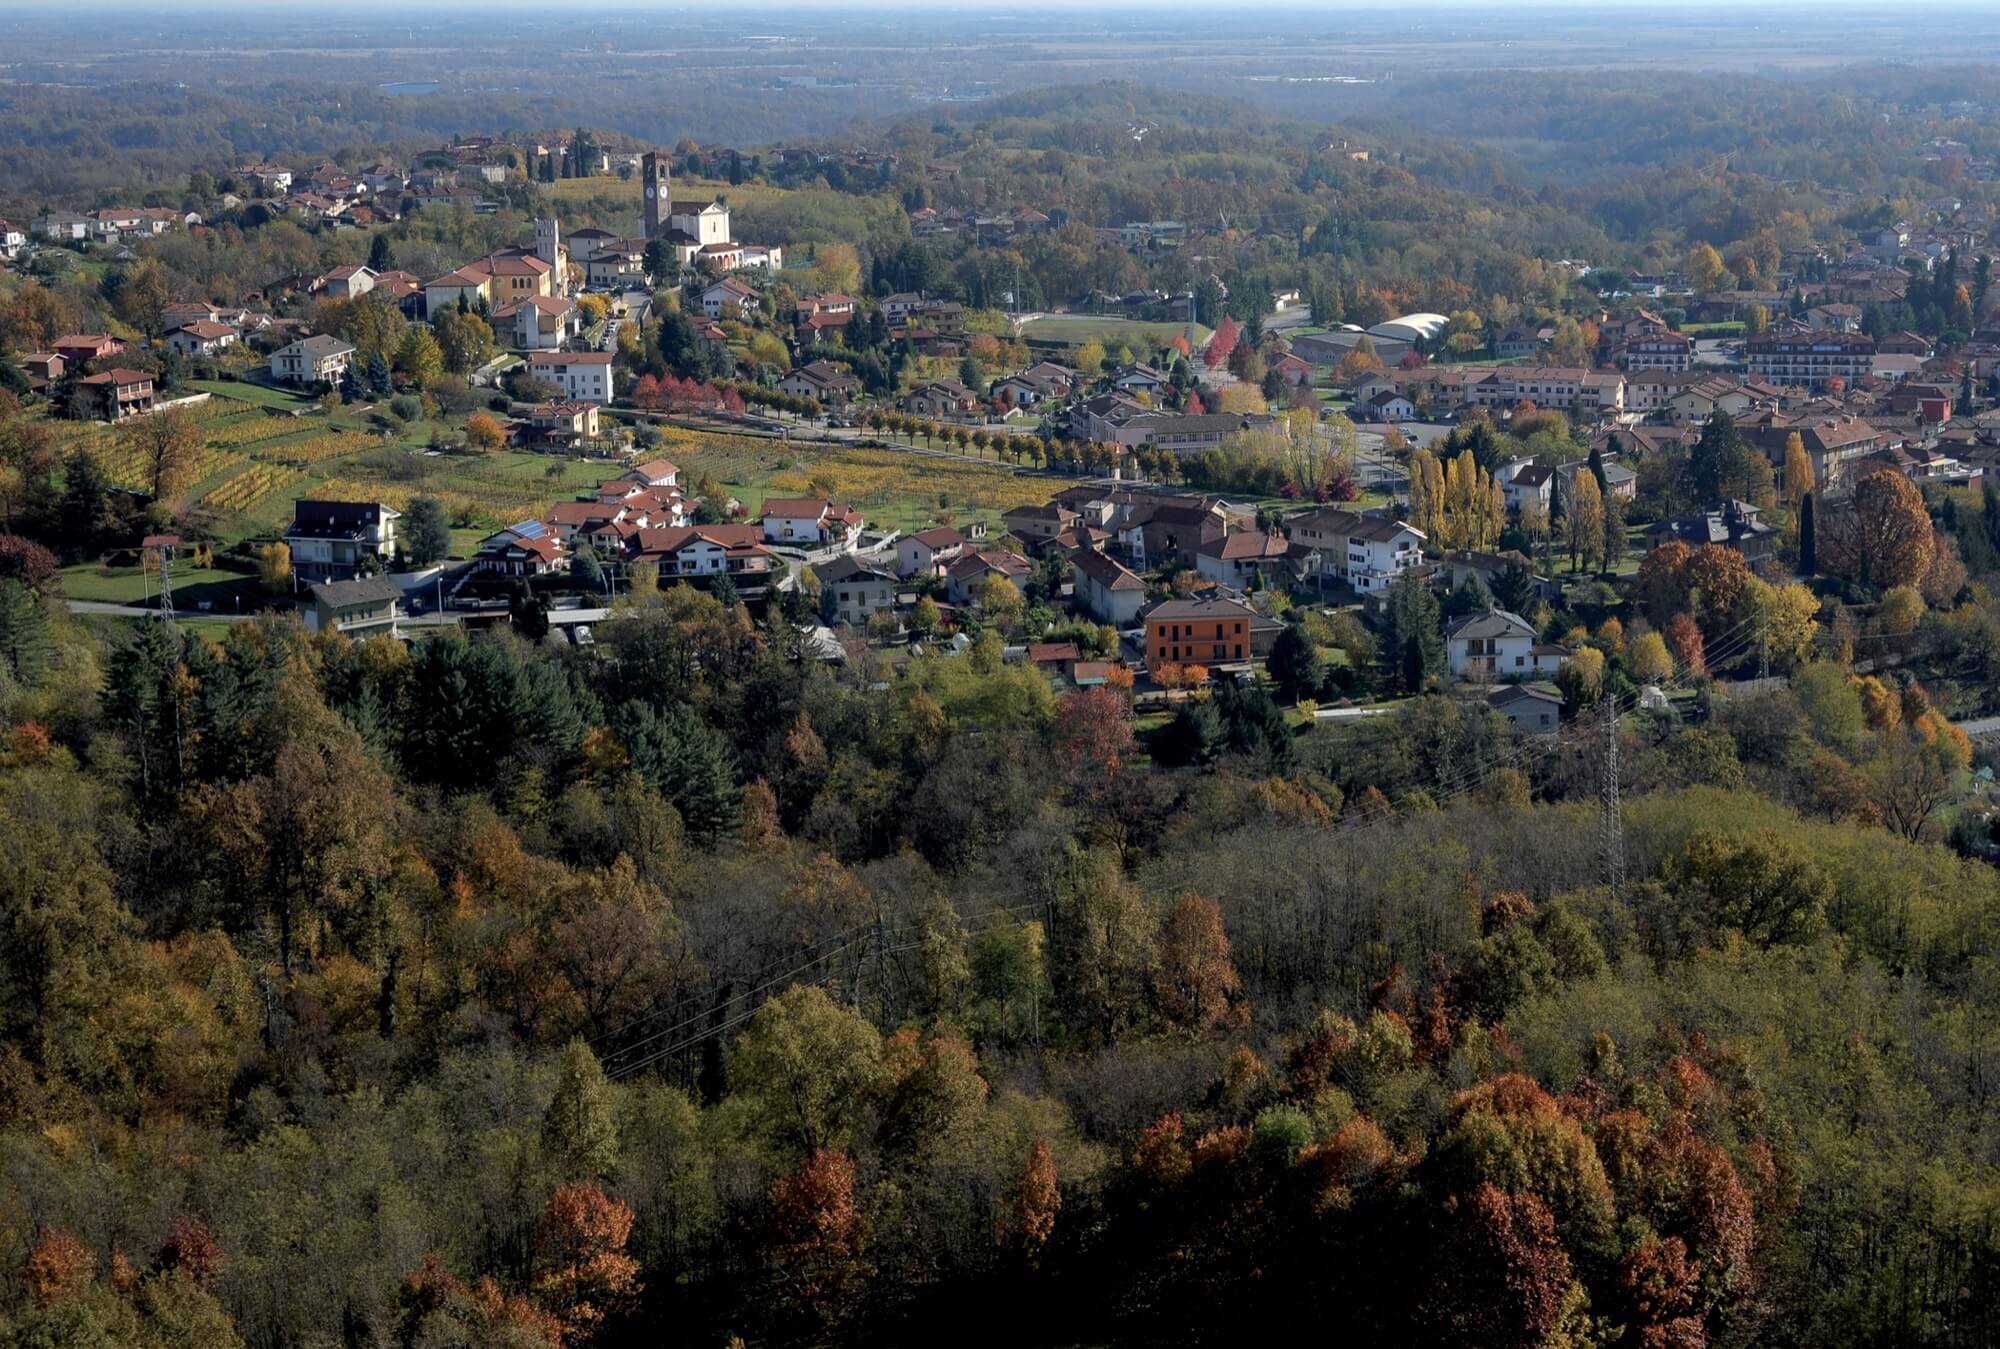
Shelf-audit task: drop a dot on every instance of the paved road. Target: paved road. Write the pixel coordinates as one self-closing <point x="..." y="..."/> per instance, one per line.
<point x="140" y="611"/>
<point x="1980" y="726"/>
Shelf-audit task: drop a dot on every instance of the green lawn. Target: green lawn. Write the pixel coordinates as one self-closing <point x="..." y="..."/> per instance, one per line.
<point x="1076" y="329"/>
<point x="261" y="395"/>
<point x="223" y="591"/>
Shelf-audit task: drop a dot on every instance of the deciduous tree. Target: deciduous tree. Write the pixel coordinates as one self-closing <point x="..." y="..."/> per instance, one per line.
<point x="1195" y="981"/>
<point x="165" y="443"/>
<point x="583" y="1275"/>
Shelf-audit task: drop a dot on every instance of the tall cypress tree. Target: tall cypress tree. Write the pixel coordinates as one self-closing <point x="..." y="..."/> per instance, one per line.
<point x="1808" y="545"/>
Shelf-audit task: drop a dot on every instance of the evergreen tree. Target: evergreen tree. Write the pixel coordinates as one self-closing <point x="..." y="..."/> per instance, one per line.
<point x="1808" y="543"/>
<point x="1414" y="626"/>
<point x="1469" y="596"/>
<point x="1296" y="664"/>
<point x="381" y="254"/>
<point x="1192" y="737"/>
<point x="1716" y="463"/>
<point x="687" y="762"/>
<point x="85" y="500"/>
<point x="426" y="532"/>
<point x="25" y="649"/>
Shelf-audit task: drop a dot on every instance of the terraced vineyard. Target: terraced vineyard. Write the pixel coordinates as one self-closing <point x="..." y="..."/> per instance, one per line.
<point x="253" y="485"/>
<point x="314" y="449"/>
<point x="251" y="428"/>
<point x="127" y="467"/>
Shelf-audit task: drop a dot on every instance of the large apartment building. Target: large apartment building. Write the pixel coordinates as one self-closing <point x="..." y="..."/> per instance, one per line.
<point x="1661" y="350"/>
<point x="1809" y="360"/>
<point x="1566" y="389"/>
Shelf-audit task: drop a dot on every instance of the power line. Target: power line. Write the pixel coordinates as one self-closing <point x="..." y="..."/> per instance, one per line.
<point x="741" y="1007"/>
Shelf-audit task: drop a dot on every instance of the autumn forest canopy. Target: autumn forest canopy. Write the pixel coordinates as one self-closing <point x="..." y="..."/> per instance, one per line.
<point x="713" y="981"/>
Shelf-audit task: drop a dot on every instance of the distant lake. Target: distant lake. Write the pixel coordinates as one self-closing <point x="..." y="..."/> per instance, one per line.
<point x="410" y="87"/>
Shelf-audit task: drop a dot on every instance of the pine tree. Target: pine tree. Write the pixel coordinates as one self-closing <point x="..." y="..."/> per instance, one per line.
<point x="85" y="499"/>
<point x="1413" y="664"/>
<point x="684" y="758"/>
<point x="25" y="649"/>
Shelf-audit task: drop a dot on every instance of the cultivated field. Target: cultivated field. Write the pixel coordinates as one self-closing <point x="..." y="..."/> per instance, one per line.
<point x="1076" y="329"/>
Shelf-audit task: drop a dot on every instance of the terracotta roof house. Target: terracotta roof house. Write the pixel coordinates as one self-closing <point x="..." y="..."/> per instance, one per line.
<point x="965" y="578"/>
<point x="1235" y="558"/>
<point x="77" y="348"/>
<point x="115" y="395"/>
<point x="809" y="521"/>
<point x="202" y="338"/>
<point x="928" y="552"/>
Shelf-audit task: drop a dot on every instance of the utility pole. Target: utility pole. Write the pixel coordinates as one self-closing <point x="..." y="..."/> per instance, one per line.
<point x="162" y="546"/>
<point x="1611" y="819"/>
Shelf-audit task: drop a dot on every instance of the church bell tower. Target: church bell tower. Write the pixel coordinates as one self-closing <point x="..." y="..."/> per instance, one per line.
<point x="659" y="193"/>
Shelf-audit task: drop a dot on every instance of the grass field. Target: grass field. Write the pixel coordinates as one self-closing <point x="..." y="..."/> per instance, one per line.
<point x="893" y="488"/>
<point x="254" y="465"/>
<point x="1076" y="329"/>
<point x="193" y="587"/>
<point x="258" y="394"/>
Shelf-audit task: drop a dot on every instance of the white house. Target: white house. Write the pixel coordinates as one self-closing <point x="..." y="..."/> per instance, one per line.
<point x="707" y="550"/>
<point x="1527" y="484"/>
<point x="583" y="376"/>
<point x="538" y="323"/>
<point x="337" y="540"/>
<point x="1367" y="551"/>
<point x="725" y="293"/>
<point x="928" y="552"/>
<point x="656" y="473"/>
<point x="347" y="283"/>
<point x="1498" y="645"/>
<point x="311" y="360"/>
<point x="202" y="338"/>
<point x="807" y="521"/>
<point x="1387" y="405"/>
<point x="1107" y="590"/>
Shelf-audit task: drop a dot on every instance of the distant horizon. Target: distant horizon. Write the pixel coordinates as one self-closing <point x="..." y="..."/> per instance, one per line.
<point x="998" y="8"/>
